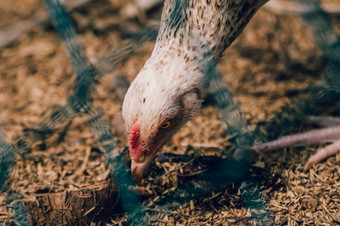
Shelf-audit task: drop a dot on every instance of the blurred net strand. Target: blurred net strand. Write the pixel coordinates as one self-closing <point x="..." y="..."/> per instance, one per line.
<point x="13" y="198"/>
<point x="71" y="110"/>
<point x="313" y="101"/>
<point x="12" y="33"/>
<point x="86" y="75"/>
<point x="223" y="98"/>
<point x="242" y="140"/>
<point x="326" y="38"/>
<point x="63" y="115"/>
<point x="81" y="102"/>
<point x="78" y="104"/>
<point x="317" y="97"/>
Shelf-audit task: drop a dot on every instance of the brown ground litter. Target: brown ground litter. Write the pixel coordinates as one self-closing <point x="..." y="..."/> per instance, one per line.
<point x="273" y="59"/>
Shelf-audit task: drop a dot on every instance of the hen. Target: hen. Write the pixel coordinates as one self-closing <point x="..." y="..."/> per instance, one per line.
<point x="171" y="86"/>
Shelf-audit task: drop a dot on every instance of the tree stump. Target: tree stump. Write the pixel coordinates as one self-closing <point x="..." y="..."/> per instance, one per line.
<point x="79" y="207"/>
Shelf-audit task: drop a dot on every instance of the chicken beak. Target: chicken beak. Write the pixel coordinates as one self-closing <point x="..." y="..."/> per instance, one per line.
<point x="141" y="160"/>
<point x="138" y="169"/>
<point x="140" y="165"/>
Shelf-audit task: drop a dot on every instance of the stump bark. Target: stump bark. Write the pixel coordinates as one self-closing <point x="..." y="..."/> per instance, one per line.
<point x="79" y="207"/>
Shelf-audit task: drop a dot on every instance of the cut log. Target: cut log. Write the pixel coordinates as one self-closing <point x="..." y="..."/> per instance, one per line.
<point x="79" y="207"/>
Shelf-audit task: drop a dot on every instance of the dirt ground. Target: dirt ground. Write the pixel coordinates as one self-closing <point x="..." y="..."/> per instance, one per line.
<point x="266" y="67"/>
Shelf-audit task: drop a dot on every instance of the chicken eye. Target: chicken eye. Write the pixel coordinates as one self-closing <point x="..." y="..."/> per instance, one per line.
<point x="165" y="124"/>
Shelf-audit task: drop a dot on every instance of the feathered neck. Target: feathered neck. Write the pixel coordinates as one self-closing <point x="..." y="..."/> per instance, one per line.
<point x="204" y="27"/>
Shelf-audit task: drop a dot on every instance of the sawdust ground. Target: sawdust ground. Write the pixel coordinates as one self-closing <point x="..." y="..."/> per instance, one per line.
<point x="266" y="67"/>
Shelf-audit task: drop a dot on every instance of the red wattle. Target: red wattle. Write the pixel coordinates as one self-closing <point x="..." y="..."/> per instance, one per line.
<point x="135" y="143"/>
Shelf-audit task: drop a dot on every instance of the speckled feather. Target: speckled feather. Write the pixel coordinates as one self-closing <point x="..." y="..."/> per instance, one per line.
<point x="173" y="82"/>
<point x="192" y="35"/>
<point x="204" y="27"/>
